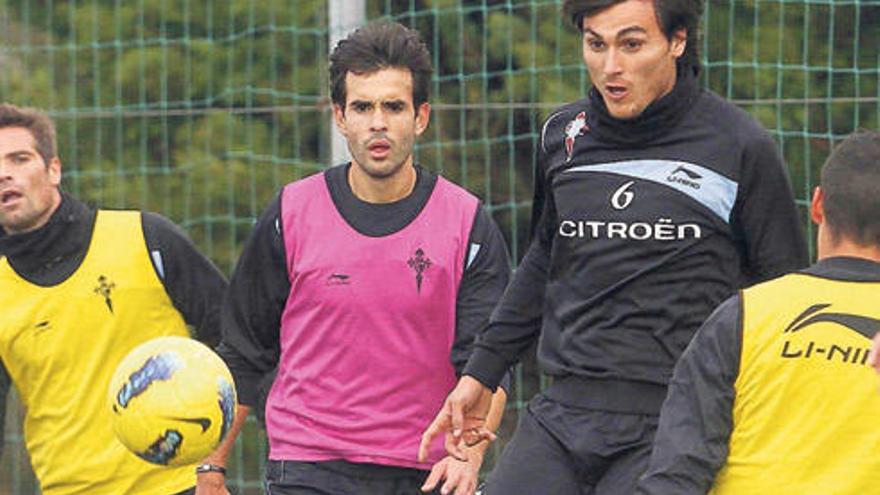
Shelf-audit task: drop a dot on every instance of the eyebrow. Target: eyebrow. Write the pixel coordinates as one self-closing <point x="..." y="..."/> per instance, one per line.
<point x="381" y="101"/>
<point x="24" y="151"/>
<point x="620" y="34"/>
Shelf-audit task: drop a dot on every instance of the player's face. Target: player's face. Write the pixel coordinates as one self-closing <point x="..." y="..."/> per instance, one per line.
<point x="28" y="186"/>
<point x="630" y="60"/>
<point x="380" y="122"/>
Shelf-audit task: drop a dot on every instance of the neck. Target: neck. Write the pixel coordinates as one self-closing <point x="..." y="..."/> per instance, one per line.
<point x="847" y="248"/>
<point x="655" y="121"/>
<point x="382" y="189"/>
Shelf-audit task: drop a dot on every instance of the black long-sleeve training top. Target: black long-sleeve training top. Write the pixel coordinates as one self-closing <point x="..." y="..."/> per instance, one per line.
<point x="640" y="228"/>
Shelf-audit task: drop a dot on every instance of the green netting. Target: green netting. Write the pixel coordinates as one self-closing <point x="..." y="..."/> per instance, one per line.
<point x="202" y="109"/>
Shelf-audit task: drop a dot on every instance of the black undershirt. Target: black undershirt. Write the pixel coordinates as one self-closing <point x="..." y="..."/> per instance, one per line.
<point x="378" y="219"/>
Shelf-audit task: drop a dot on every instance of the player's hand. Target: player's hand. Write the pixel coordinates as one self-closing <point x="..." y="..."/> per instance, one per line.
<point x="211" y="484"/>
<point x="457" y="475"/>
<point x="874" y="357"/>
<point x="462" y="419"/>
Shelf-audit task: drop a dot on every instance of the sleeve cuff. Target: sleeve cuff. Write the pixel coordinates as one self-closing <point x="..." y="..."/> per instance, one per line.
<point x="248" y="389"/>
<point x="506" y="381"/>
<point x="487" y="367"/>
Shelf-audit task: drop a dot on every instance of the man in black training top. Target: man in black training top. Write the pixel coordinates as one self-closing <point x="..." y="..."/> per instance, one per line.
<point x="654" y="201"/>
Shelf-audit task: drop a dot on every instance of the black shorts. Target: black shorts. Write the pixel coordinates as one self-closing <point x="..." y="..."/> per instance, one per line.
<point x="341" y="478"/>
<point x="563" y="450"/>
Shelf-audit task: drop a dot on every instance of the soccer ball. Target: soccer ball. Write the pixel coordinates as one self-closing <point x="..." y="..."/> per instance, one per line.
<point x="172" y="401"/>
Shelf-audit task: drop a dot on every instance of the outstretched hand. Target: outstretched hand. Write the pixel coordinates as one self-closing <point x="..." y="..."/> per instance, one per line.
<point x="462" y="419"/>
<point x="457" y="477"/>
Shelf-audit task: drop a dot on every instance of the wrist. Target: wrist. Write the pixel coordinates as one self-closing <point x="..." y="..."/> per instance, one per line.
<point x="210" y="468"/>
<point x="478" y="451"/>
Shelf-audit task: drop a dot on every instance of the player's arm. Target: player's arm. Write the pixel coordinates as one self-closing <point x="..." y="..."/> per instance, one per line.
<point x="192" y="282"/>
<point x="486" y="274"/>
<point x="196" y="288"/>
<point x="5" y="384"/>
<point x="516" y="321"/>
<point x="251" y="313"/>
<point x="250" y="319"/>
<point x="766" y="217"/>
<point x="513" y="327"/>
<point x="696" y="421"/>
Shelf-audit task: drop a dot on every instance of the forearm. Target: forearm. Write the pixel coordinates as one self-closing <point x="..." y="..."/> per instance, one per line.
<point x="221" y="453"/>
<point x="493" y="419"/>
<point x="5" y="384"/>
<point x="516" y="322"/>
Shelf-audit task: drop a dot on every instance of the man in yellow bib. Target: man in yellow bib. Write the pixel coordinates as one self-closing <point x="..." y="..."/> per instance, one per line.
<point x="775" y="394"/>
<point x="79" y="289"/>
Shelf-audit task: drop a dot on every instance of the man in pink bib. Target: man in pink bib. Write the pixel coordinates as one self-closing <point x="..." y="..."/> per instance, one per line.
<point x="365" y="286"/>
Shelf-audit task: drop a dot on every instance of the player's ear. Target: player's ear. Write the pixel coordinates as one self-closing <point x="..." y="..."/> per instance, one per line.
<point x="339" y="118"/>
<point x="423" y="116"/>
<point x="54" y="168"/>
<point x="817" y="206"/>
<point x="678" y="43"/>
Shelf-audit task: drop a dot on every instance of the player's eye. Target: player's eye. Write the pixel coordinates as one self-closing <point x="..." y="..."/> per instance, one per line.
<point x="20" y="158"/>
<point x="361" y="106"/>
<point x="632" y="45"/>
<point x="595" y="44"/>
<point x="394" y="106"/>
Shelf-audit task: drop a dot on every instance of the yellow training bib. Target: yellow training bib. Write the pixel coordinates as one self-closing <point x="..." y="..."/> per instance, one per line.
<point x="61" y="344"/>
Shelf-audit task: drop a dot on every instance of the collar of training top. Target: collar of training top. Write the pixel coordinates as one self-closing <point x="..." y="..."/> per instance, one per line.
<point x="68" y="231"/>
<point x="657" y="118"/>
<point x="846" y="268"/>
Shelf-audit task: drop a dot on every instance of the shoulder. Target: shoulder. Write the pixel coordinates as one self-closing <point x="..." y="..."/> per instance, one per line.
<point x="312" y="181"/>
<point x="775" y="294"/>
<point x="553" y="129"/>
<point x="730" y="120"/>
<point x="162" y="233"/>
<point x="454" y="191"/>
<point x="154" y="223"/>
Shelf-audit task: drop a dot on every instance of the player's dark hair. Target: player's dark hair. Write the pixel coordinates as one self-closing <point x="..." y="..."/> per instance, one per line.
<point x="377" y="46"/>
<point x="34" y="120"/>
<point x="672" y="15"/>
<point x="851" y="185"/>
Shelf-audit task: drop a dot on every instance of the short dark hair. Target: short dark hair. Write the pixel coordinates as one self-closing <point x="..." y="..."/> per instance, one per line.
<point x="377" y="46"/>
<point x="34" y="120"/>
<point x="672" y="15"/>
<point x="851" y="186"/>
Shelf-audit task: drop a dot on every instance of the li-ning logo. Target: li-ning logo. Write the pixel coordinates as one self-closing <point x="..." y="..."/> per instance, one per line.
<point x="577" y="127"/>
<point x="419" y="263"/>
<point x="622" y="197"/>
<point x="862" y="325"/>
<point x="104" y="288"/>
<point x="686" y="177"/>
<point x="338" y="279"/>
